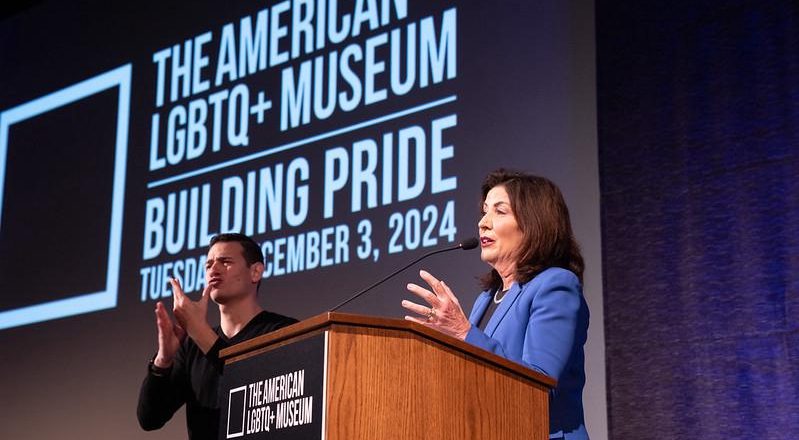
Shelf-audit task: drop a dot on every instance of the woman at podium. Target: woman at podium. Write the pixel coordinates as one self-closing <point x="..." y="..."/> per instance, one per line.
<point x="532" y="309"/>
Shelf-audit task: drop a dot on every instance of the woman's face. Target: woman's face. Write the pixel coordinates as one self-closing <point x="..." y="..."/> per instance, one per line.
<point x="500" y="236"/>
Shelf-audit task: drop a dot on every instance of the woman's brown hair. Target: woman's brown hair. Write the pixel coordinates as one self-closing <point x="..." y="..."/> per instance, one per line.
<point x="543" y="218"/>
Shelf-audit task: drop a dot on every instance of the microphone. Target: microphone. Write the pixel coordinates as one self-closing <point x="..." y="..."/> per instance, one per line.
<point x="467" y="244"/>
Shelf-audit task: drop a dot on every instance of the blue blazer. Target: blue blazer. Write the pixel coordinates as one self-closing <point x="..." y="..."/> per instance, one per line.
<point x="543" y="324"/>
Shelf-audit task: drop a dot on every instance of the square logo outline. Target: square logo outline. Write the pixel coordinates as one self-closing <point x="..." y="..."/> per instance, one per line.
<point x="93" y="301"/>
<point x="243" y="411"/>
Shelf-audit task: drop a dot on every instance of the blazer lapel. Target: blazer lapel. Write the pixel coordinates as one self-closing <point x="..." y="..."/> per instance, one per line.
<point x="480" y="306"/>
<point x="503" y="309"/>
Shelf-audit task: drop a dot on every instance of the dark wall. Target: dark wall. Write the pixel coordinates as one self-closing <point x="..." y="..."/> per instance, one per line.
<point x="698" y="114"/>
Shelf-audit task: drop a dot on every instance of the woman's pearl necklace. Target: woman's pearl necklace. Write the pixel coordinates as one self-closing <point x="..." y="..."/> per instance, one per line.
<point x="498" y="299"/>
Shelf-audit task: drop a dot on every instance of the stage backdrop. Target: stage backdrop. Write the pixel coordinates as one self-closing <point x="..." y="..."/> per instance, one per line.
<point x="348" y="137"/>
<point x="698" y="139"/>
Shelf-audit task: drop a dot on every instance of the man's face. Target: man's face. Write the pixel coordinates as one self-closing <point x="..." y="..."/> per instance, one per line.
<point x="228" y="274"/>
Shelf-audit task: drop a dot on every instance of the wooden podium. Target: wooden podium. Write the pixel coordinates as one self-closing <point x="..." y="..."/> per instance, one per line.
<point x="343" y="377"/>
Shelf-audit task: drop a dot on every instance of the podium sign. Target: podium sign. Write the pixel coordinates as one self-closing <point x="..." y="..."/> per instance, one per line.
<point x="275" y="396"/>
<point x="349" y="377"/>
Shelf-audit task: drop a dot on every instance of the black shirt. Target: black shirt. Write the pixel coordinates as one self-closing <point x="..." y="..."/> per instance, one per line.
<point x="194" y="380"/>
<point x="492" y="307"/>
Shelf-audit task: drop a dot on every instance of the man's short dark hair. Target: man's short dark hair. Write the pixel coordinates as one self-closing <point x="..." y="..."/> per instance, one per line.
<point x="250" y="249"/>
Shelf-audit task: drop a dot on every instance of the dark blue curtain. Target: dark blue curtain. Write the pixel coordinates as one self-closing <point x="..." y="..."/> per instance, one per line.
<point x="698" y="113"/>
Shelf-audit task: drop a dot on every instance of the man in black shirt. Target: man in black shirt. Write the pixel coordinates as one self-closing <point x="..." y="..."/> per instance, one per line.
<point x="187" y="369"/>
